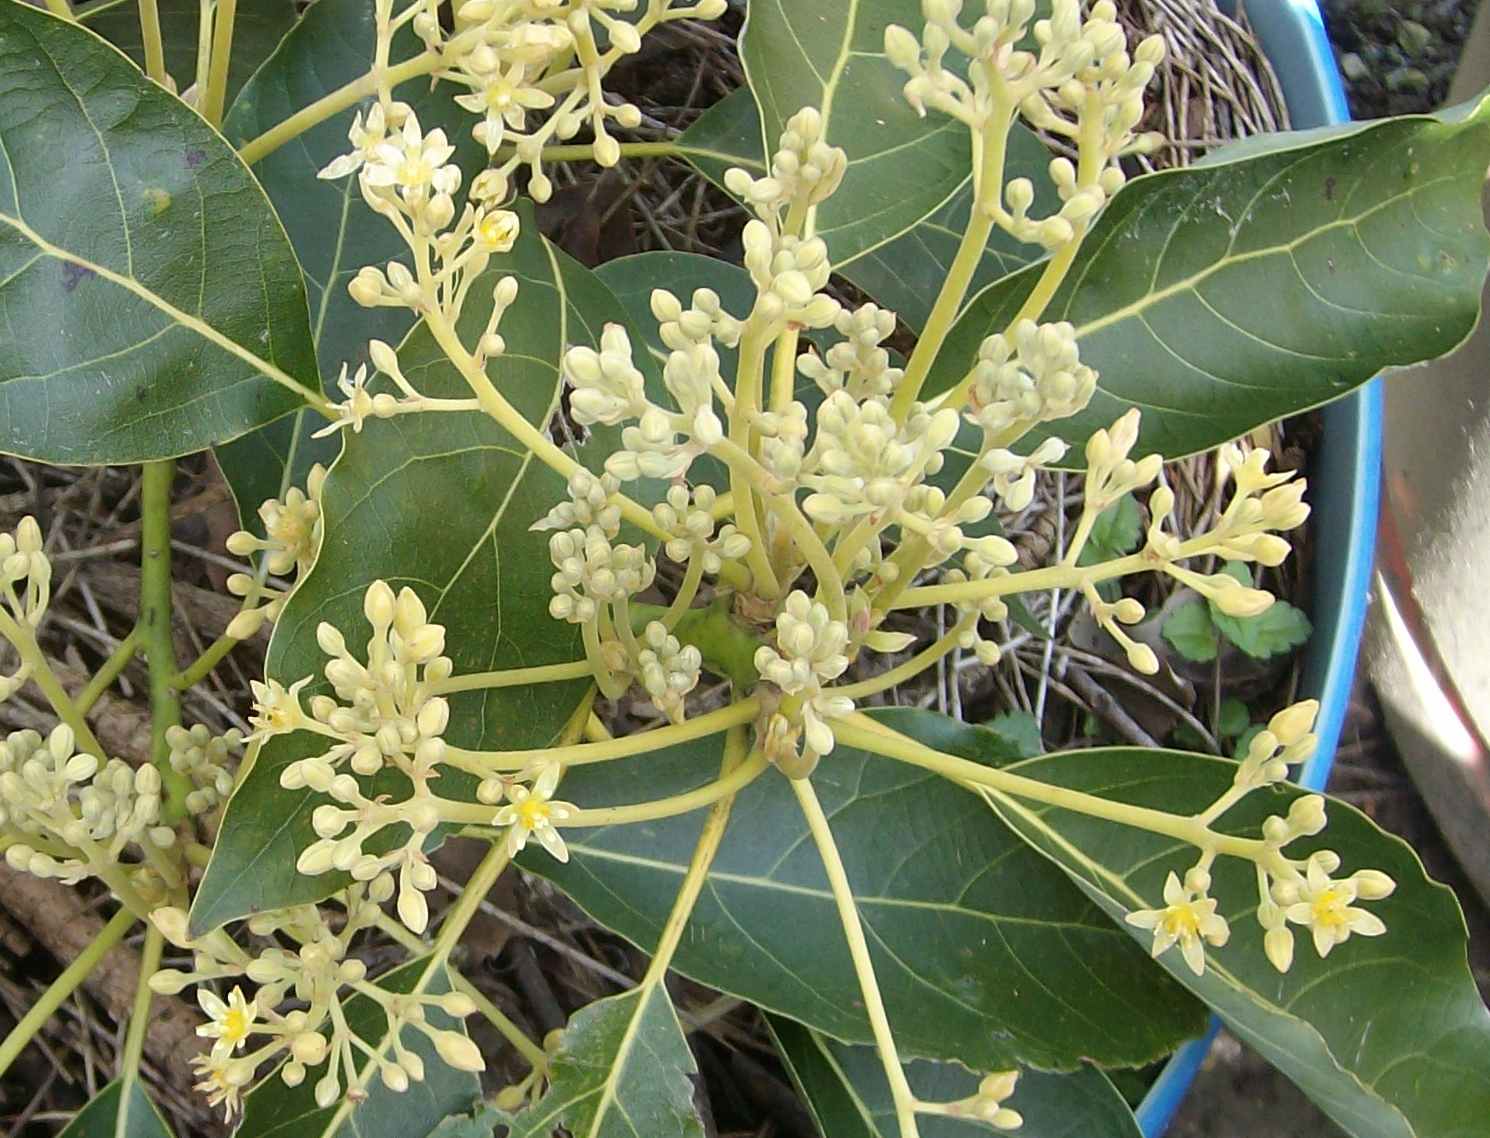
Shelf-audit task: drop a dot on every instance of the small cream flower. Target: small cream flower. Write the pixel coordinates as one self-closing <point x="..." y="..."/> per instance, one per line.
<point x="530" y="813"/>
<point x="229" y="1023"/>
<point x="222" y="1081"/>
<point x="1185" y="920"/>
<point x="1324" y="906"/>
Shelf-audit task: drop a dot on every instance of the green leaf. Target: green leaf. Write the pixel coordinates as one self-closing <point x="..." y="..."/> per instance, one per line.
<point x="441" y="503"/>
<point x="1020" y="731"/>
<point x="1244" y="741"/>
<point x="623" y="1070"/>
<point x="1191" y="632"/>
<point x="1387" y="1034"/>
<point x="333" y="231"/>
<point x="846" y="1091"/>
<point x="1234" y="718"/>
<point x="153" y="304"/>
<point x="830" y="55"/>
<point x="115" y="1113"/>
<point x="1117" y="530"/>
<point x="984" y="954"/>
<point x="1278" y="629"/>
<point x="480" y="1123"/>
<point x="1223" y="296"/>
<point x="258" y="26"/>
<point x="273" y="1108"/>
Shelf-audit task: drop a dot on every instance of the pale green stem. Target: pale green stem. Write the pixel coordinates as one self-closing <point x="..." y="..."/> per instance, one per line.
<point x="464" y="813"/>
<point x="333" y="103"/>
<point x="584" y="152"/>
<point x="1033" y="580"/>
<point x="155" y="54"/>
<point x="949" y="299"/>
<point x="513" y="677"/>
<point x="687" y="590"/>
<point x="215" y="96"/>
<point x="155" y="629"/>
<point x="853" y="932"/>
<point x="200" y="668"/>
<point x="72" y="976"/>
<point x="860" y="731"/>
<point x="576" y="754"/>
<point x="747" y="401"/>
<point x="61" y="8"/>
<point x="698" y="866"/>
<point x="109" y="671"/>
<point x="912" y="667"/>
<point x="139" y="1016"/>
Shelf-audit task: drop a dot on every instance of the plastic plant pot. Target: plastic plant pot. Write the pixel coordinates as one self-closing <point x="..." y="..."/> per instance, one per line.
<point x="1344" y="476"/>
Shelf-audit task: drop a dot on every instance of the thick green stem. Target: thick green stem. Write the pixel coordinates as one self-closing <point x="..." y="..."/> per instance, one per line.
<point x="155" y="54"/>
<point x="155" y="629"/>
<point x="62" y="987"/>
<point x="860" y="731"/>
<point x="61" y="8"/>
<point x="215" y="96"/>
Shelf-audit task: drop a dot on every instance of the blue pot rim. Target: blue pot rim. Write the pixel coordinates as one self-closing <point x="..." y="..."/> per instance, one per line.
<point x="1346" y="488"/>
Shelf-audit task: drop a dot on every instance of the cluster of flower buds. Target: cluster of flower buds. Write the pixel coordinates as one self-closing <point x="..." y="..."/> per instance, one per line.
<point x="315" y="976"/>
<point x="26" y="575"/>
<point x="1297" y="891"/>
<point x="809" y="653"/>
<point x="688" y="519"/>
<point x="208" y="760"/>
<point x="66" y="814"/>
<point x="857" y="364"/>
<point x="1081" y="83"/>
<point x="535" y="72"/>
<point x="1032" y="375"/>
<point x="384" y="715"/>
<point x="292" y="535"/>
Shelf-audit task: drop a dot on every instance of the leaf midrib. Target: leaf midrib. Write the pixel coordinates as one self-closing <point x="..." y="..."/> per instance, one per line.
<point x="184" y="319"/>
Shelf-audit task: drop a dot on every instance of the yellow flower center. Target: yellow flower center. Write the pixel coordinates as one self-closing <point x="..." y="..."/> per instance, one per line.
<point x="533" y="813"/>
<point x="415" y="172"/>
<point x="496" y="230"/>
<point x="1329" y="909"/>
<point x="1180" y="921"/>
<point x="234" y="1025"/>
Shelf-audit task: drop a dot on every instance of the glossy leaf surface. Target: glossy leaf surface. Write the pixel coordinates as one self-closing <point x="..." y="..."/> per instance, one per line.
<point x="1387" y="1034"/>
<point x="153" y="304"/>
<point x="984" y="955"/>
<point x="623" y="1070"/>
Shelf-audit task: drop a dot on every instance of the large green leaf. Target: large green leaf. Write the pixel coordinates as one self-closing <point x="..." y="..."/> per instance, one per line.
<point x="152" y="302"/>
<point x="272" y="1108"/>
<point x="900" y="268"/>
<point x="830" y="55"/>
<point x="622" y="1070"/>
<point x="117" y="1113"/>
<point x="984" y="954"/>
<point x="1388" y="1035"/>
<point x="331" y="228"/>
<point x="258" y="26"/>
<point x="1223" y="296"/>
<point x="846" y="1091"/>
<point x="441" y="503"/>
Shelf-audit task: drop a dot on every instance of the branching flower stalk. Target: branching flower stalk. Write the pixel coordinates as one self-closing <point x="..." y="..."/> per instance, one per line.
<point x="832" y="517"/>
